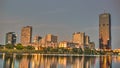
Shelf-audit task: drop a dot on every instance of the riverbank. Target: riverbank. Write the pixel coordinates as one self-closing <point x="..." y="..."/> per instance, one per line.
<point x="10" y="51"/>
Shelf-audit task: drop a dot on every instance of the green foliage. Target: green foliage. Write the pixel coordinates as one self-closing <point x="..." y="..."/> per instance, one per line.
<point x="87" y="50"/>
<point x="9" y="46"/>
<point x="19" y="47"/>
<point x="30" y="47"/>
<point x="77" y="50"/>
<point x="1" y="46"/>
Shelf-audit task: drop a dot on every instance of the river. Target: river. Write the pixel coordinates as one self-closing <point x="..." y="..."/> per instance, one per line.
<point x="58" y="61"/>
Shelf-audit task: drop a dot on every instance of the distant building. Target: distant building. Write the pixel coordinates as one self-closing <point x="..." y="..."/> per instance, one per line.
<point x="87" y="40"/>
<point x="105" y="31"/>
<point x="42" y="42"/>
<point x="37" y="39"/>
<point x="65" y="44"/>
<point x="26" y="35"/>
<point x="10" y="38"/>
<point x="51" y="40"/>
<point x="92" y="45"/>
<point x="79" y="37"/>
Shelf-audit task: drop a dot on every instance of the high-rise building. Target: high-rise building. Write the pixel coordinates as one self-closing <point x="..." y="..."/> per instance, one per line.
<point x="79" y="37"/>
<point x="105" y="31"/>
<point x="26" y="35"/>
<point x="10" y="38"/>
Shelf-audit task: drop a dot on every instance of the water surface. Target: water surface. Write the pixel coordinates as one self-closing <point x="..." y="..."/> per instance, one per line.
<point x="57" y="61"/>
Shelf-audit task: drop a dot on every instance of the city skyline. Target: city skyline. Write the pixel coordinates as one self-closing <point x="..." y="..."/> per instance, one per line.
<point x="61" y="18"/>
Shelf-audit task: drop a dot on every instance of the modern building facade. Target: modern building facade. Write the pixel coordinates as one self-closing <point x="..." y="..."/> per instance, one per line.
<point x="51" y="40"/>
<point x="10" y="38"/>
<point x="79" y="37"/>
<point x="105" y="31"/>
<point x="26" y="35"/>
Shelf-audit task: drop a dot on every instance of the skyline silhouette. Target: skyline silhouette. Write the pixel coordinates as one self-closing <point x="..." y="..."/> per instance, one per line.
<point x="61" y="18"/>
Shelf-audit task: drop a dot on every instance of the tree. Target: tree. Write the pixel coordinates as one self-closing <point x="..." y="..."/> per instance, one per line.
<point x="87" y="50"/>
<point x="30" y="47"/>
<point x="1" y="46"/>
<point x="19" y="46"/>
<point x="9" y="46"/>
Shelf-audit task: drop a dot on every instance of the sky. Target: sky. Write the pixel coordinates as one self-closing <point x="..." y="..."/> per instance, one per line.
<point x="59" y="17"/>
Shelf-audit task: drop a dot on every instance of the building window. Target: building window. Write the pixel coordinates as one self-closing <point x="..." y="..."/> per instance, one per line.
<point x="103" y="24"/>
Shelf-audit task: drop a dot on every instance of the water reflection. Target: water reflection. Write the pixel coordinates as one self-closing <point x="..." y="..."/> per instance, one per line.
<point x="106" y="61"/>
<point x="8" y="61"/>
<point x="54" y="61"/>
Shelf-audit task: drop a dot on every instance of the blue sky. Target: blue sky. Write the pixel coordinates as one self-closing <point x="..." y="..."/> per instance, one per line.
<point x="59" y="17"/>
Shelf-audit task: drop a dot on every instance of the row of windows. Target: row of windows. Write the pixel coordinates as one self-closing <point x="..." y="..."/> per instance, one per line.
<point x="103" y="24"/>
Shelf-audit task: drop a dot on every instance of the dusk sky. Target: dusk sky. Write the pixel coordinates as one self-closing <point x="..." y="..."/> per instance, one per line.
<point x="59" y="17"/>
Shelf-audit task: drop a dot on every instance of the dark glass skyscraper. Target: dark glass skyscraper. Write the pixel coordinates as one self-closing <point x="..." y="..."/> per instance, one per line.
<point x="10" y="38"/>
<point x="105" y="31"/>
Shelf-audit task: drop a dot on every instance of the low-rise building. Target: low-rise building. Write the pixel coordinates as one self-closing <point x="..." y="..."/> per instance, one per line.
<point x="65" y="44"/>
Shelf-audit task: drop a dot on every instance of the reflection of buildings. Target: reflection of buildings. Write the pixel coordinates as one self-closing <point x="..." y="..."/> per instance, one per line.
<point x="26" y="35"/>
<point x="78" y="62"/>
<point x="116" y="59"/>
<point x="10" y="38"/>
<point x="8" y="61"/>
<point x="105" y="31"/>
<point x="89" y="61"/>
<point x="105" y="61"/>
<point x="48" y="61"/>
<point x="62" y="61"/>
<point x="24" y="62"/>
<point x="42" y="61"/>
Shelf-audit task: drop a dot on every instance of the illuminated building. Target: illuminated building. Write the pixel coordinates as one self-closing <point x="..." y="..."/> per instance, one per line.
<point x="26" y="35"/>
<point x="79" y="37"/>
<point x="105" y="31"/>
<point x="51" y="40"/>
<point x="37" y="39"/>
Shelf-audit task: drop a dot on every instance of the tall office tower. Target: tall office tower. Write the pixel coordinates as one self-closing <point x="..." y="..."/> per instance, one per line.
<point x="87" y="40"/>
<point x="26" y="35"/>
<point x="10" y="38"/>
<point x="105" y="31"/>
<point x="79" y="37"/>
